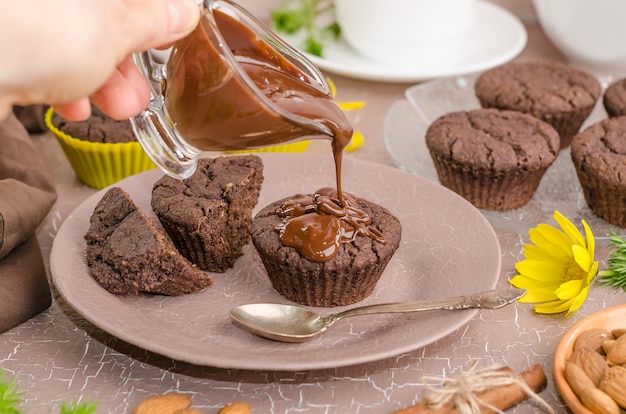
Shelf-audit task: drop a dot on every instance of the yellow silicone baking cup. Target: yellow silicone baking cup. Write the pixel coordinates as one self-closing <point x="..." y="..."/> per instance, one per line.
<point x="299" y="146"/>
<point x="97" y="164"/>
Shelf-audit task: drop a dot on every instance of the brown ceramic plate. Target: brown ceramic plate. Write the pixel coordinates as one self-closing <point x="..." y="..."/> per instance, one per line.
<point x="447" y="249"/>
<point x="610" y="318"/>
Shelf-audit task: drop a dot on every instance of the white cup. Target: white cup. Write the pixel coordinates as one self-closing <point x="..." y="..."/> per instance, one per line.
<point x="406" y="31"/>
<point x="590" y="33"/>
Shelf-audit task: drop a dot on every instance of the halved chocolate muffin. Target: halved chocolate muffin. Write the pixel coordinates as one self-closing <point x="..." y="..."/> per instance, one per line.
<point x="208" y="215"/>
<point x="128" y="254"/>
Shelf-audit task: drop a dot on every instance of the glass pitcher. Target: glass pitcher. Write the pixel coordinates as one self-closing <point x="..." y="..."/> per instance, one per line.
<point x="230" y="85"/>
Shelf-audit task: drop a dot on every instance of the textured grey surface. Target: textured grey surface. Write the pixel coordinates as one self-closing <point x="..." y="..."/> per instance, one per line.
<point x="60" y="356"/>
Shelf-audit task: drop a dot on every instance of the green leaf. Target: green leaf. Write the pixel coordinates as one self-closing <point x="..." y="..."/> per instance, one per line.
<point x="10" y="398"/>
<point x="616" y="274"/>
<point x="79" y="408"/>
<point x="334" y="29"/>
<point x="288" y="21"/>
<point x="295" y="15"/>
<point x="313" y="47"/>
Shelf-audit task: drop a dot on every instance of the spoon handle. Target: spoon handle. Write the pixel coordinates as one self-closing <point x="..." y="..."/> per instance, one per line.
<point x="491" y="299"/>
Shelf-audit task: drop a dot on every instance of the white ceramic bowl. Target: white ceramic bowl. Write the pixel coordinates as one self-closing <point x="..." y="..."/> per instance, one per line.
<point x="406" y="31"/>
<point x="590" y="33"/>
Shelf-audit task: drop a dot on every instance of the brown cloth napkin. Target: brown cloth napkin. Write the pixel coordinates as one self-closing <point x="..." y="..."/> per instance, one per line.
<point x="26" y="196"/>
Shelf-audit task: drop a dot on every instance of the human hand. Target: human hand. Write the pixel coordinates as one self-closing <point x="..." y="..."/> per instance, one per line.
<point x="66" y="52"/>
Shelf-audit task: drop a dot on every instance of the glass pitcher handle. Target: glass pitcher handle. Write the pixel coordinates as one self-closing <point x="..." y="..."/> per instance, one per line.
<point x="154" y="129"/>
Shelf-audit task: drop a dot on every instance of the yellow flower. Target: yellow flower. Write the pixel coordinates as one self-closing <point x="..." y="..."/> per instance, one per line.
<point x="559" y="267"/>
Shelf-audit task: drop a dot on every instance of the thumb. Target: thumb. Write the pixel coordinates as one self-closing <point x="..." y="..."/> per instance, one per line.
<point x="184" y="16"/>
<point x="160" y="23"/>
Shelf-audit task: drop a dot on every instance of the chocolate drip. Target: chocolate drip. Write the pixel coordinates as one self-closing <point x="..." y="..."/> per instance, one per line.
<point x="316" y="225"/>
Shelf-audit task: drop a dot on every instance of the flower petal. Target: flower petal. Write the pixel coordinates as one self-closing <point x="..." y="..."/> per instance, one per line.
<point x="578" y="301"/>
<point x="568" y="227"/>
<point x="569" y="289"/>
<point x="553" y="307"/>
<point x="350" y="105"/>
<point x="593" y="272"/>
<point x="550" y="238"/>
<point x="581" y="256"/>
<point x="534" y="252"/>
<point x="550" y="271"/>
<point x="528" y="284"/>
<point x="591" y="241"/>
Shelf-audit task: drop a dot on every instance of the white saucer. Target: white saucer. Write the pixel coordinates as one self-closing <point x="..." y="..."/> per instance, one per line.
<point x="497" y="37"/>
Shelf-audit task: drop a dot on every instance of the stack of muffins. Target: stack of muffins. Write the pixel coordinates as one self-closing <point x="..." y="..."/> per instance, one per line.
<point x="496" y="156"/>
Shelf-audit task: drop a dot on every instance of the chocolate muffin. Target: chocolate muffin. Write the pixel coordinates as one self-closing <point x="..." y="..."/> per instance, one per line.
<point x="493" y="158"/>
<point x="599" y="155"/>
<point x="97" y="128"/>
<point x="208" y="215"/>
<point x="615" y="98"/>
<point x="128" y="254"/>
<point x="348" y="277"/>
<point x="101" y="150"/>
<point x="554" y="92"/>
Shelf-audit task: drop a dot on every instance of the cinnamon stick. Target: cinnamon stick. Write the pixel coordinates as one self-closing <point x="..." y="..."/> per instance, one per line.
<point x="503" y="397"/>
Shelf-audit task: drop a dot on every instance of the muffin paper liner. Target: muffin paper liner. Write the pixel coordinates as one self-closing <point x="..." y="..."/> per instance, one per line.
<point x="605" y="200"/>
<point x="489" y="190"/>
<point x="97" y="164"/>
<point x="568" y="125"/>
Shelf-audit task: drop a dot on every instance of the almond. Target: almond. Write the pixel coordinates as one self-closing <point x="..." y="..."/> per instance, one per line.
<point x="593" y="338"/>
<point x="614" y="384"/>
<point x="163" y="404"/>
<point x="236" y="408"/>
<point x="577" y="378"/>
<point x="606" y="346"/>
<point x="598" y="401"/>
<point x="591" y="362"/>
<point x="618" y="332"/>
<point x="617" y="353"/>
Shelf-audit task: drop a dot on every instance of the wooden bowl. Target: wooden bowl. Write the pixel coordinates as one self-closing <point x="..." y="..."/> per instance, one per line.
<point x="610" y="318"/>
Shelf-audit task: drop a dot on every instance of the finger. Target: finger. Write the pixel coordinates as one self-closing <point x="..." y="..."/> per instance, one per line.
<point x="125" y="94"/>
<point x="168" y="21"/>
<point x="74" y="111"/>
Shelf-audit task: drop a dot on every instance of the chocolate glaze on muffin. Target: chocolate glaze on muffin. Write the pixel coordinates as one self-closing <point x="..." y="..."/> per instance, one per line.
<point x="348" y="277"/>
<point x="554" y="92"/>
<point x="97" y="128"/>
<point x="128" y="254"/>
<point x="599" y="155"/>
<point x="615" y="98"/>
<point x="495" y="159"/>
<point x="208" y="215"/>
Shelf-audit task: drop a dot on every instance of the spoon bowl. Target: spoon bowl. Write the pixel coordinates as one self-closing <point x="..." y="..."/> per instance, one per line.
<point x="293" y="323"/>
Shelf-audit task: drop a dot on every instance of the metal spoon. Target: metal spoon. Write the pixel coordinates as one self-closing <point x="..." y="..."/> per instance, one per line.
<point x="290" y="323"/>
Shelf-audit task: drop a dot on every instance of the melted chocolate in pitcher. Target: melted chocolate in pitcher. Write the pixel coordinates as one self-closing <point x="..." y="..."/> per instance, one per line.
<point x="216" y="111"/>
